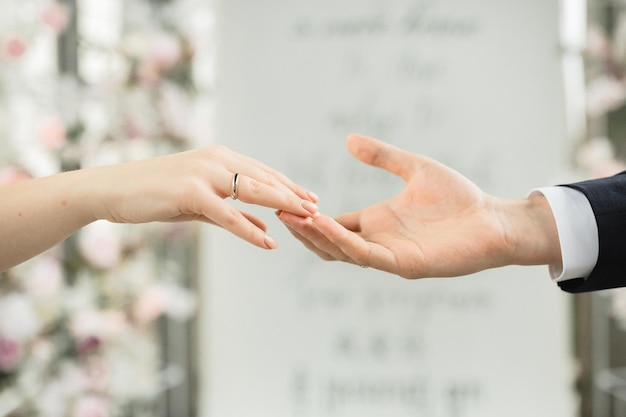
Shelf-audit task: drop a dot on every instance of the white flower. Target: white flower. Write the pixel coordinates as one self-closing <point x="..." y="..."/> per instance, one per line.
<point x="164" y="298"/>
<point x="91" y="406"/>
<point x="181" y="303"/>
<point x="134" y="363"/>
<point x="45" y="278"/>
<point x="52" y="401"/>
<point x="101" y="244"/>
<point x="55" y="398"/>
<point x="81" y="296"/>
<point x="102" y="324"/>
<point x="19" y="321"/>
<point x="135" y="44"/>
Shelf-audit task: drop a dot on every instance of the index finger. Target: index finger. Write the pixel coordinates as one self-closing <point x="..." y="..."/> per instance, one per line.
<point x="282" y="180"/>
<point x="253" y="191"/>
<point x="363" y="252"/>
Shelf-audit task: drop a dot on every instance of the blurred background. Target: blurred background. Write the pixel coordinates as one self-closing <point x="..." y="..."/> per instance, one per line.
<point x="182" y="320"/>
<point x="104" y="324"/>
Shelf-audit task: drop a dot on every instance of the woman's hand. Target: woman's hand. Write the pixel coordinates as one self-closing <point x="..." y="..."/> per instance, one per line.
<point x="37" y="214"/>
<point x="192" y="185"/>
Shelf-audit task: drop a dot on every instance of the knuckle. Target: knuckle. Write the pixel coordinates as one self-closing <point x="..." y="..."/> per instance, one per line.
<point x="360" y="260"/>
<point x="268" y="179"/>
<point x="285" y="201"/>
<point x="231" y="218"/>
<point x="252" y="233"/>
<point x="326" y="257"/>
<point x="192" y="185"/>
<point x="255" y="186"/>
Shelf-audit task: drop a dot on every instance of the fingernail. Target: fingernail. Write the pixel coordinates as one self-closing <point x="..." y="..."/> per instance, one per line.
<point x="309" y="206"/>
<point x="313" y="196"/>
<point x="270" y="242"/>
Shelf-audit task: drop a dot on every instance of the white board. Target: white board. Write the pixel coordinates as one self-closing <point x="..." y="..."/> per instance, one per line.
<point x="475" y="84"/>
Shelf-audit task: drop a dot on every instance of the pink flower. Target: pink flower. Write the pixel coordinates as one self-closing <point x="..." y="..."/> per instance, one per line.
<point x="10" y="354"/>
<point x="56" y="16"/>
<point x="165" y="51"/>
<point x="14" y="47"/>
<point x="91" y="406"/>
<point x="88" y="346"/>
<point x="12" y="175"/>
<point x="160" y="299"/>
<point x="52" y="133"/>
<point x="151" y="304"/>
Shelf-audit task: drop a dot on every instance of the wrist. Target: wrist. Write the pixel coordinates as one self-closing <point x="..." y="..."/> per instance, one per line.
<point x="530" y="231"/>
<point x="88" y="193"/>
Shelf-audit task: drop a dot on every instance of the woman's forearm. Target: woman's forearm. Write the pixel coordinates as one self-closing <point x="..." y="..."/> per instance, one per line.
<point x="38" y="214"/>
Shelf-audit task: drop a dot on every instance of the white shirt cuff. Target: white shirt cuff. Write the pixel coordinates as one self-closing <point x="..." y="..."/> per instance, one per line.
<point x="578" y="232"/>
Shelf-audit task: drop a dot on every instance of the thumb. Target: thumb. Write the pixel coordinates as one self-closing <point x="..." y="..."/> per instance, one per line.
<point x="382" y="155"/>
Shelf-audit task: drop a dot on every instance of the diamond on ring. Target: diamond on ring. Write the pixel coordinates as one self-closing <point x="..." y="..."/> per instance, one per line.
<point x="234" y="191"/>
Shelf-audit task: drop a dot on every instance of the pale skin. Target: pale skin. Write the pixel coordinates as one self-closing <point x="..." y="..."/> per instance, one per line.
<point x="193" y="185"/>
<point x="440" y="225"/>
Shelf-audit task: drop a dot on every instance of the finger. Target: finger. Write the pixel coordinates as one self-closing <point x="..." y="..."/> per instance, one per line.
<point x="382" y="155"/>
<point x="307" y="243"/>
<point x="311" y="234"/>
<point x="200" y="218"/>
<point x="351" y="221"/>
<point x="188" y="218"/>
<point x="250" y="190"/>
<point x="255" y="220"/>
<point x="291" y="185"/>
<point x="237" y="223"/>
<point x="362" y="252"/>
<point x="271" y="176"/>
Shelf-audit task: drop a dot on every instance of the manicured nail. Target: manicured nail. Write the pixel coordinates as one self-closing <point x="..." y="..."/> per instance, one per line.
<point x="270" y="242"/>
<point x="310" y="207"/>
<point x="313" y="196"/>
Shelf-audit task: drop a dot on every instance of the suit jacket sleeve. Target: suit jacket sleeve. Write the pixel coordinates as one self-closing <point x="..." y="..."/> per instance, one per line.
<point x="607" y="197"/>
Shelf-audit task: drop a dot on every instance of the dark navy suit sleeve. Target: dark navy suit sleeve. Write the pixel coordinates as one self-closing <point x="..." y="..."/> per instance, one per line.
<point x="608" y="202"/>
